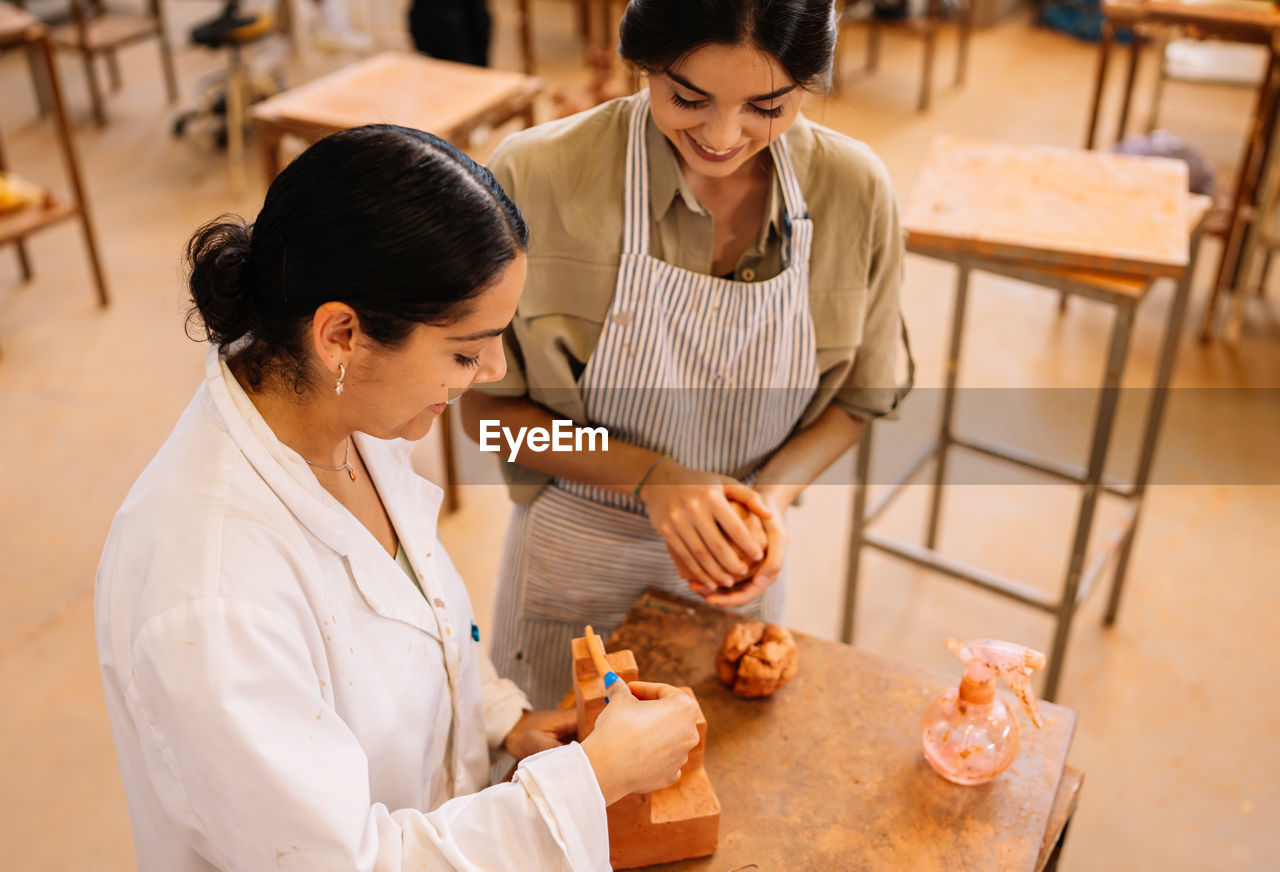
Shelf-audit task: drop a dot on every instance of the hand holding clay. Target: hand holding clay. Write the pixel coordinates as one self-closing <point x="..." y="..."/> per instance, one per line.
<point x="693" y="512"/>
<point x="642" y="738"/>
<point x="755" y="659"/>
<point x="749" y="566"/>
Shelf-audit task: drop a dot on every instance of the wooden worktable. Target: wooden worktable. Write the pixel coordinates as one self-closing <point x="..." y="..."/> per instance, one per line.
<point x="828" y="774"/>
<point x="1050" y="206"/>
<point x="448" y="99"/>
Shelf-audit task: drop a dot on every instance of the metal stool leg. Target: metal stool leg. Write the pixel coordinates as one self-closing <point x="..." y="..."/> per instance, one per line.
<point x="1121" y="331"/>
<point x="856" y="527"/>
<point x="948" y="406"/>
<point x="1155" y="418"/>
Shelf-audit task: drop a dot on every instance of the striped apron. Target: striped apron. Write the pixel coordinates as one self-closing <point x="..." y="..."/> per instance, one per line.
<point x="713" y="372"/>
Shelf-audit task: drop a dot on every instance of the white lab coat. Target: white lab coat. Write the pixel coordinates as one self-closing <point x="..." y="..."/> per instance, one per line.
<point x="281" y="695"/>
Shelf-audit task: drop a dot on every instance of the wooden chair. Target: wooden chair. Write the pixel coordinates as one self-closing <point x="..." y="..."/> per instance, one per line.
<point x="597" y="31"/>
<point x="855" y="13"/>
<point x="94" y="31"/>
<point x="19" y="28"/>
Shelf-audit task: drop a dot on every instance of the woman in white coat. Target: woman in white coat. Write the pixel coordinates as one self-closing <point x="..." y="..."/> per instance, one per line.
<point x="292" y="668"/>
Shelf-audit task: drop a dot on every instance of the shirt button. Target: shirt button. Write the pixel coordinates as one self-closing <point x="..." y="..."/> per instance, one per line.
<point x="748" y="275"/>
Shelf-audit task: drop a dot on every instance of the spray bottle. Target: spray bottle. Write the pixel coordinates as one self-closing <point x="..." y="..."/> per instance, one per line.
<point x="969" y="734"/>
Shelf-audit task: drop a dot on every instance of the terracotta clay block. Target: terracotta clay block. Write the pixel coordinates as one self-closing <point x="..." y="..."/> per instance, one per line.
<point x="756" y="659"/>
<point x="676" y="823"/>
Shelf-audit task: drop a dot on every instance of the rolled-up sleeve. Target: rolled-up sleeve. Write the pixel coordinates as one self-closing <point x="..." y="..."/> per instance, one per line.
<point x="873" y="388"/>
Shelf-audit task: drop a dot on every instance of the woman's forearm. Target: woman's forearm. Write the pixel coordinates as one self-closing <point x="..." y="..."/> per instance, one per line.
<point x="619" y="468"/>
<point x="806" y="455"/>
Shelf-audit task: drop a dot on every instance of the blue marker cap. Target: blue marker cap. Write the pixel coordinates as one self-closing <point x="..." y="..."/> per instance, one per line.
<point x="609" y="678"/>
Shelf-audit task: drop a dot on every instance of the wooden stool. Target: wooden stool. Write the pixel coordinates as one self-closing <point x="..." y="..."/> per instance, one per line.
<point x="1256" y="23"/>
<point x="94" y="31"/>
<point x="859" y="12"/>
<point x="18" y="27"/>
<point x="1099" y="225"/>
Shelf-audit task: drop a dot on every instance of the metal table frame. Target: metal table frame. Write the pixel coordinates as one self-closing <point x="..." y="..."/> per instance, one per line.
<point x="1081" y="577"/>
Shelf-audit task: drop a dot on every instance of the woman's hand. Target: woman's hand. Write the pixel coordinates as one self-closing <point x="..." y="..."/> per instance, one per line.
<point x="642" y="738"/>
<point x="775" y="552"/>
<point x="691" y="511"/>
<point x="538" y="731"/>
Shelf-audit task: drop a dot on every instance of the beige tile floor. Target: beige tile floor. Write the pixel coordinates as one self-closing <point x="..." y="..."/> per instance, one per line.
<point x="1178" y="722"/>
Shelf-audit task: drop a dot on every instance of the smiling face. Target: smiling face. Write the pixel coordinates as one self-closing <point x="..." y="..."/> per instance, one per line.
<point x="399" y="392"/>
<point x="721" y="105"/>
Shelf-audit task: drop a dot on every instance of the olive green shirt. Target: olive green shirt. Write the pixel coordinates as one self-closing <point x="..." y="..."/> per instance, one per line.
<point x="567" y="178"/>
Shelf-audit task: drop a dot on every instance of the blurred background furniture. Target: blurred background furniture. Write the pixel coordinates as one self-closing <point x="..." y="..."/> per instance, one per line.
<point x="933" y="15"/>
<point x="20" y="28"/>
<point x="1255" y="23"/>
<point x="226" y="96"/>
<point x="94" y="31"/>
<point x="1099" y="225"/>
<point x="451" y="100"/>
<point x="597" y="27"/>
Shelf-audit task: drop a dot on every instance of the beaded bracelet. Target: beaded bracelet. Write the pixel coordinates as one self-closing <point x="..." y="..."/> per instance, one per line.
<point x="636" y="493"/>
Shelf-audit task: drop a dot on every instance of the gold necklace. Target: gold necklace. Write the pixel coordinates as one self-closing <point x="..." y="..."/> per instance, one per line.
<point x="346" y="463"/>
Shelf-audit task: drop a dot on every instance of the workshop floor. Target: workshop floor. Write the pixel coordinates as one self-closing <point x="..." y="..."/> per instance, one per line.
<point x="1178" y="725"/>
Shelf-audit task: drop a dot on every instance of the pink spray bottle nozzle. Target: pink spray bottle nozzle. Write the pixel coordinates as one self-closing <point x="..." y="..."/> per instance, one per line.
<point x="984" y="659"/>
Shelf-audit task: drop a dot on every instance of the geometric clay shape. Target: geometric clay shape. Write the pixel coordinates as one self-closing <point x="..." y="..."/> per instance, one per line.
<point x="676" y="823"/>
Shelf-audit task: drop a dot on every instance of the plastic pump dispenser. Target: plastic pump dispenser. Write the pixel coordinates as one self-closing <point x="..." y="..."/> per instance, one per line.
<point x="969" y="734"/>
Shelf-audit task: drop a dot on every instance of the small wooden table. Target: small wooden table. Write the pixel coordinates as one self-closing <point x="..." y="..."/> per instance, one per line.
<point x="828" y="773"/>
<point x="1244" y="21"/>
<point x="448" y="99"/>
<point x="18" y="27"/>
<point x="1103" y="226"/>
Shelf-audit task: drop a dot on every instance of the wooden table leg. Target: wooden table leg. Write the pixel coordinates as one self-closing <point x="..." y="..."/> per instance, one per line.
<point x="926" y="75"/>
<point x="451" y="501"/>
<point x="73" y="169"/>
<point x="526" y="35"/>
<point x="1104" y="57"/>
<point x="1135" y="49"/>
<point x="20" y="245"/>
<point x="269" y="142"/>
<point x="166" y="52"/>
<point x="1246" y="182"/>
<point x="962" y="44"/>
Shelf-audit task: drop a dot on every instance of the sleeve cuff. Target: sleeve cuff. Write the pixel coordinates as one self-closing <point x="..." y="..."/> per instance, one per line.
<point x="564" y="787"/>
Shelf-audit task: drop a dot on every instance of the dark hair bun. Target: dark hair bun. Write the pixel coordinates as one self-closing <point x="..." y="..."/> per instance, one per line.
<point x="216" y="259"/>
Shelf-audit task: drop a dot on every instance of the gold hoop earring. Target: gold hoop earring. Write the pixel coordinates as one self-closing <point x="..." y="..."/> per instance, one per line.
<point x="342" y="375"/>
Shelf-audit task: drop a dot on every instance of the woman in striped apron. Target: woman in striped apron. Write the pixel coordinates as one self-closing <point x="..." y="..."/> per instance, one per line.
<point x="709" y="382"/>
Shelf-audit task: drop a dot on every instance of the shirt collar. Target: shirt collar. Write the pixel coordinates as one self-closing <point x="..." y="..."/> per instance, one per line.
<point x="667" y="184"/>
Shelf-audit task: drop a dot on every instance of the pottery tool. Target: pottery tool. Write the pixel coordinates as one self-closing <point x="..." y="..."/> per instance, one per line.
<point x="595" y="648"/>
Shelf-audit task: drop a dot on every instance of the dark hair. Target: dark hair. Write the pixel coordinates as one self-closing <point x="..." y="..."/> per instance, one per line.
<point x="396" y="223"/>
<point x="800" y="34"/>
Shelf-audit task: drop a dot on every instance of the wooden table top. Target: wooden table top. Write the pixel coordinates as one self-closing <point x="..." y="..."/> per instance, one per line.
<point x="17" y="25"/>
<point x="828" y="773"/>
<point x="1051" y="206"/>
<point x="398" y="88"/>
<point x="1233" y="15"/>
